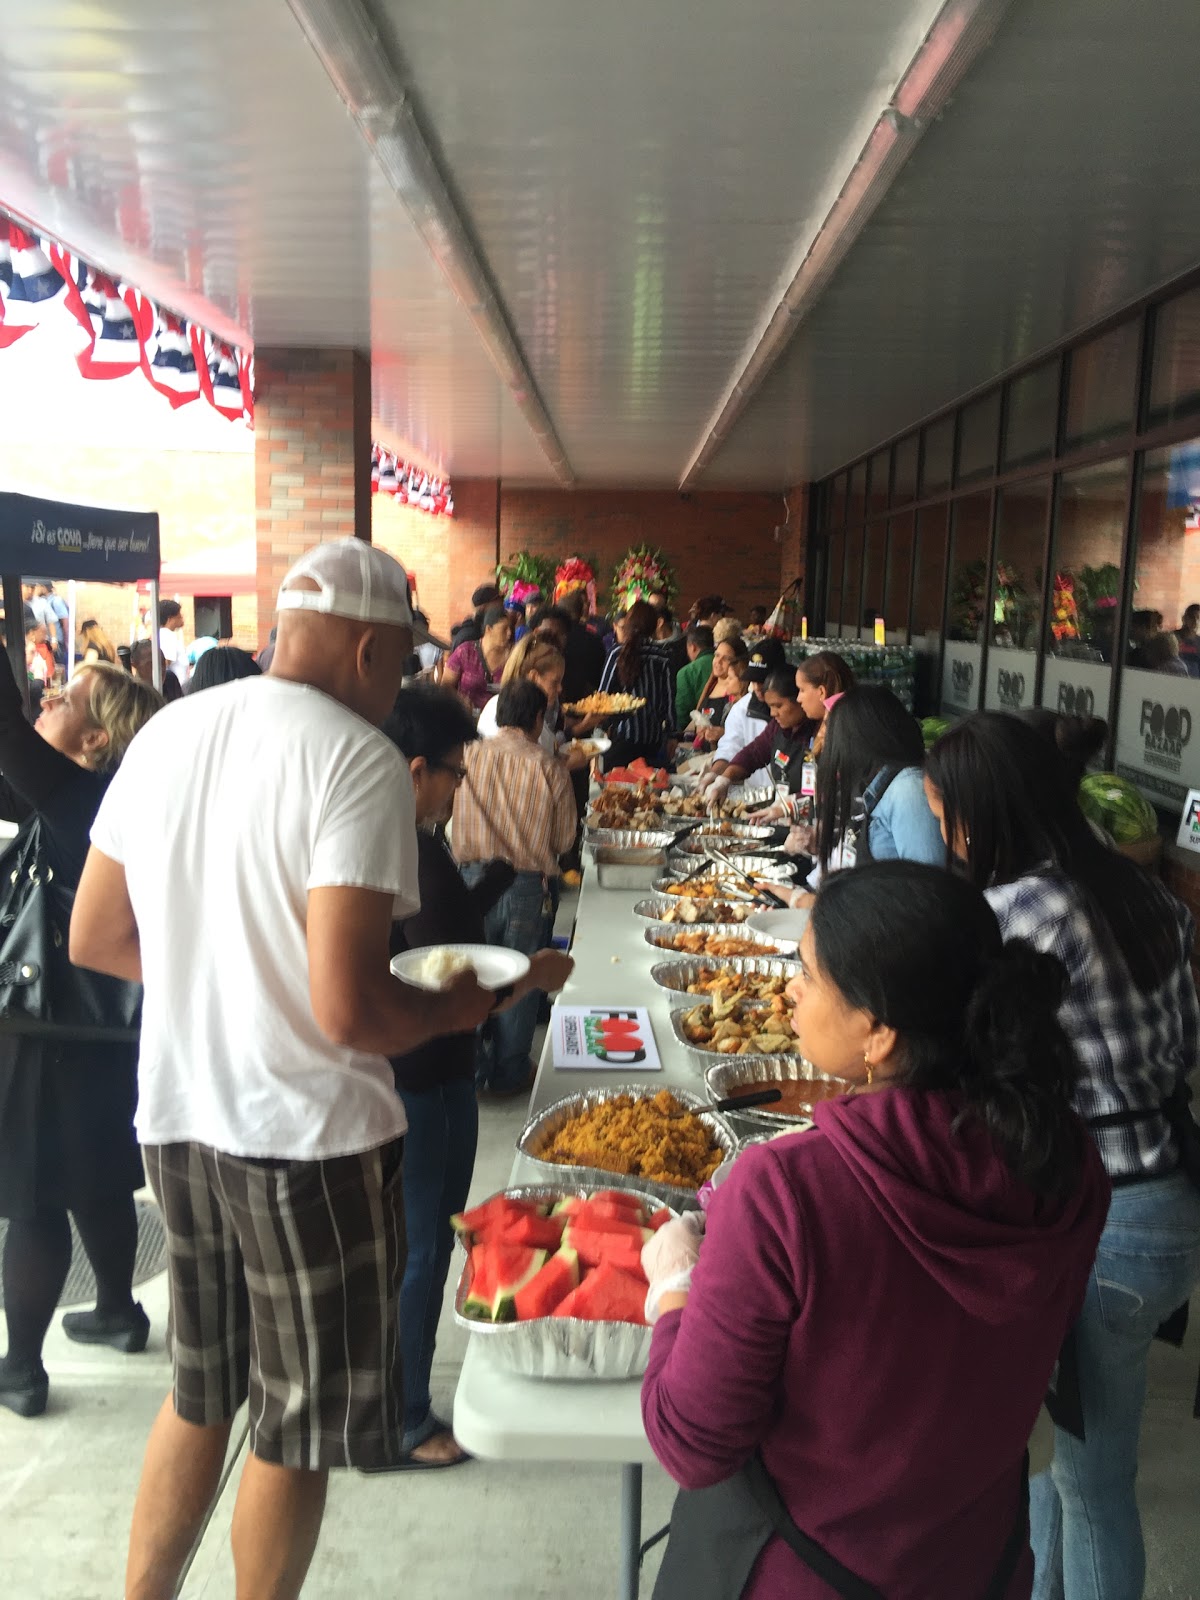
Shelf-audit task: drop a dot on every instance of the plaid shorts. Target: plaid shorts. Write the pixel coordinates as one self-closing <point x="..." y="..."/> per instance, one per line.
<point x="284" y="1280"/>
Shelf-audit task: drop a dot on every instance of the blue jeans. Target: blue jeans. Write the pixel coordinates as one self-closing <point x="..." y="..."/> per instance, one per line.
<point x="439" y="1157"/>
<point x="1084" y="1523"/>
<point x="518" y="921"/>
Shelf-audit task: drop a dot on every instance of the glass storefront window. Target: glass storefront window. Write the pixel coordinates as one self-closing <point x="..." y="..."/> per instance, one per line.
<point x="904" y="470"/>
<point x="929" y="587"/>
<point x="874" y="558"/>
<point x="1032" y="415"/>
<point x="852" y="581"/>
<point x="881" y="472"/>
<point x="979" y="438"/>
<point x="939" y="457"/>
<point x="967" y="606"/>
<point x="837" y="510"/>
<point x="833" y="605"/>
<point x="1158" y="719"/>
<point x="899" y="576"/>
<point x="1101" y="385"/>
<point x="1085" y="564"/>
<point x="1175" y="374"/>
<point x="1021" y="512"/>
<point x="856" y="503"/>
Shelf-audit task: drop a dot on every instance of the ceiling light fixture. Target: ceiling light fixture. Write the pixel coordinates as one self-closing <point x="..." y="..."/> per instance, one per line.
<point x="960" y="32"/>
<point x="348" y="46"/>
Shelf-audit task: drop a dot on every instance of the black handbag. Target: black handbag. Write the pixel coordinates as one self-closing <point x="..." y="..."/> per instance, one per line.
<point x="41" y="993"/>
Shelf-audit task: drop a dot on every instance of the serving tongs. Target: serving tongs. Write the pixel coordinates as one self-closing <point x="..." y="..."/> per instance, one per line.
<point x="766" y="896"/>
<point x="747" y="1102"/>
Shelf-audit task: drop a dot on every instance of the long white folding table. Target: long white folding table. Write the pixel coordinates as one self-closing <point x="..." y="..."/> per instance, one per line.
<point x="497" y="1415"/>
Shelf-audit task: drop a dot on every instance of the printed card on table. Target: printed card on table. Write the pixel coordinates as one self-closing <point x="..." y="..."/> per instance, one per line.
<point x="595" y="1037"/>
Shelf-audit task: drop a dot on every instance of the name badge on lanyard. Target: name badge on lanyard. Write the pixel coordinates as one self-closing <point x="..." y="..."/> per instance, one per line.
<point x="808" y="778"/>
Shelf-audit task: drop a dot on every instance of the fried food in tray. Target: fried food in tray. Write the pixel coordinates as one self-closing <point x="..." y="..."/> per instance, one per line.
<point x="697" y="889"/>
<point x="726" y="983"/>
<point x="717" y="945"/>
<point x="695" y="805"/>
<point x="653" y="1138"/>
<point x="693" y="910"/>
<point x="625" y="808"/>
<point x="606" y="705"/>
<point x="735" y="1028"/>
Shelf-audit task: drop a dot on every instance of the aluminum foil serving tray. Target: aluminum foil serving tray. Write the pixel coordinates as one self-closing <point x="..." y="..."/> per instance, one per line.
<point x="559" y="1347"/>
<point x="659" y="935"/>
<point x="653" y="906"/>
<point x="674" y="976"/>
<point x="537" y="1134"/>
<point x="707" y="1057"/>
<point x="741" y="1074"/>
<point x="644" y="842"/>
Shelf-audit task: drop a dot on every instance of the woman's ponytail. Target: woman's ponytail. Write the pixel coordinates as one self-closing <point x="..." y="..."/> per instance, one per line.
<point x="1019" y="1070"/>
<point x="919" y="949"/>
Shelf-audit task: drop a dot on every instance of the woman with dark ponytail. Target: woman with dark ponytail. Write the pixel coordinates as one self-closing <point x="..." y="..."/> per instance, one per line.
<point x="846" y="1387"/>
<point x="1008" y="810"/>
<point x="635" y="668"/>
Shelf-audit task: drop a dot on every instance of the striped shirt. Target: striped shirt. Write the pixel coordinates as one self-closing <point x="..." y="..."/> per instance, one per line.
<point x="654" y="685"/>
<point x="516" y="805"/>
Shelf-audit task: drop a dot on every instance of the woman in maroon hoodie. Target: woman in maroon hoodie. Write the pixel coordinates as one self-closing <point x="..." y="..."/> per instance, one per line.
<point x="879" y="1302"/>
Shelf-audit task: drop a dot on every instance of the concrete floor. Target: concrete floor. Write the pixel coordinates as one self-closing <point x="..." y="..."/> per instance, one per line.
<point x="67" y="1483"/>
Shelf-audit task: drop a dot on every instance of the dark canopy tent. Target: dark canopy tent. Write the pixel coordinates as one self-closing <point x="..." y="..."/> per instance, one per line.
<point x="60" y="541"/>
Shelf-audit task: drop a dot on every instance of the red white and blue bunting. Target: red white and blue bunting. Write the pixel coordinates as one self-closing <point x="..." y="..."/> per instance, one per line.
<point x="410" y="485"/>
<point x="123" y="330"/>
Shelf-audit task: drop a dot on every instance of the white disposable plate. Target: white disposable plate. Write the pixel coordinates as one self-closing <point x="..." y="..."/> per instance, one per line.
<point x="601" y="743"/>
<point x="783" y="927"/>
<point x="495" y="967"/>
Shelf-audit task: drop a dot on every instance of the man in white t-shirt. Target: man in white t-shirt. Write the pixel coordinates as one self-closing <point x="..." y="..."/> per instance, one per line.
<point x="170" y="639"/>
<point x="271" y="1128"/>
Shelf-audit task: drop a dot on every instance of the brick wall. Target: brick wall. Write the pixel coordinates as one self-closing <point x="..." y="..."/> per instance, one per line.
<point x="792" y="545"/>
<point x="718" y="543"/>
<point x="312" y="458"/>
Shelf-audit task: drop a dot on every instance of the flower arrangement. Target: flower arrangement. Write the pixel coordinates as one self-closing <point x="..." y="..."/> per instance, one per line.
<point x="524" y="575"/>
<point x="575" y="573"/>
<point x="641" y="571"/>
<point x="1064" y="612"/>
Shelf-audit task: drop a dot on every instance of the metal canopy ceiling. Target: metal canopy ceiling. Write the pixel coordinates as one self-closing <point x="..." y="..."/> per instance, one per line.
<point x="636" y="180"/>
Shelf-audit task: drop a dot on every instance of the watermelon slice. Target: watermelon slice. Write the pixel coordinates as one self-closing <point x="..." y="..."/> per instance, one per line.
<point x="659" y="1219"/>
<point x="498" y="1271"/>
<point x="601" y="1222"/>
<point x="549" y="1288"/>
<point x="610" y="1295"/>
<point x="612" y="1203"/>
<point x="543" y="1233"/>
<point x="500" y="1206"/>
<point x="566" y="1307"/>
<point x="593" y="1249"/>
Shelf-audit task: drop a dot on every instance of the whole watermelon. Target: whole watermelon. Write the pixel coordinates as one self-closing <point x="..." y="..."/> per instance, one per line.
<point x="1115" y="805"/>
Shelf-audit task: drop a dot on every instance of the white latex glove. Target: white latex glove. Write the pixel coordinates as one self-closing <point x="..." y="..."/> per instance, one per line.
<point x="716" y="791"/>
<point x="771" y="813"/>
<point x="801" y="840"/>
<point x="668" y="1259"/>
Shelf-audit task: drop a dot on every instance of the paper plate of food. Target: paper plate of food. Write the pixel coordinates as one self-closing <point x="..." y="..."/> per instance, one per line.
<point x="595" y="744"/>
<point x="437" y="968"/>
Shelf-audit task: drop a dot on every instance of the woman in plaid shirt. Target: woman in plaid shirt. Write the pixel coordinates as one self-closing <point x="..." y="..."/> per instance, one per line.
<point x="1009" y="812"/>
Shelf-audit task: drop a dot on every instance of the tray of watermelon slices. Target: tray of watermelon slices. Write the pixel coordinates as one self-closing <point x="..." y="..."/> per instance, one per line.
<point x="553" y="1285"/>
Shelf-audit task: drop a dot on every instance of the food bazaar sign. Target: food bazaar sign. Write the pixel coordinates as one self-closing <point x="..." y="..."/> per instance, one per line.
<point x="599" y="1037"/>
<point x="1158" y="735"/>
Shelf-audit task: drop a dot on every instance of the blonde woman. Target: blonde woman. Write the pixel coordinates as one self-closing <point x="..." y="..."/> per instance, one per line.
<point x="66" y="1108"/>
<point x="541" y="661"/>
<point x="97" y="646"/>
